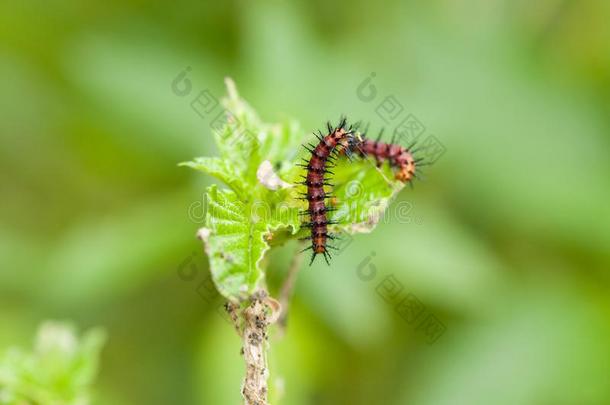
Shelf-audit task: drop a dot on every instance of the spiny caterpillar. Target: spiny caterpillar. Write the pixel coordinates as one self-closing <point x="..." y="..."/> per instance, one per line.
<point x="343" y="140"/>
<point x="339" y="139"/>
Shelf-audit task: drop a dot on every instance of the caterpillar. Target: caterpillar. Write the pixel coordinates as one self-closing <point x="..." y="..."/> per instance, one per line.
<point x="344" y="140"/>
<point x="340" y="139"/>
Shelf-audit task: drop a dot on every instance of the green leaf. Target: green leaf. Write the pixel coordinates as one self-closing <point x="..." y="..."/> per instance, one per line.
<point x="222" y="169"/>
<point x="363" y="192"/>
<point x="241" y="220"/>
<point x="234" y="237"/>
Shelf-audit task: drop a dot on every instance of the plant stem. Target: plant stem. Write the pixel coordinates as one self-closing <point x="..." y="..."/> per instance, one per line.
<point x="256" y="318"/>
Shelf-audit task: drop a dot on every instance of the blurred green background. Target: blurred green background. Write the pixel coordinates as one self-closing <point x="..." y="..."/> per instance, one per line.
<point x="508" y="242"/>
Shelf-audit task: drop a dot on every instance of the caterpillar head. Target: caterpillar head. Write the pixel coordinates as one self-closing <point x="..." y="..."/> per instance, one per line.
<point x="352" y="143"/>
